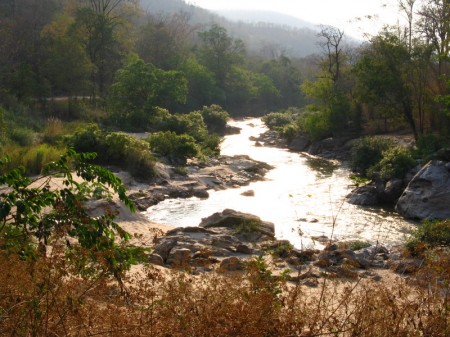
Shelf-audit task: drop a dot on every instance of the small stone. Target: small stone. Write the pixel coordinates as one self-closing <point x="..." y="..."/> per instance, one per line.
<point x="231" y="264"/>
<point x="244" y="249"/>
<point x="156" y="259"/>
<point x="249" y="193"/>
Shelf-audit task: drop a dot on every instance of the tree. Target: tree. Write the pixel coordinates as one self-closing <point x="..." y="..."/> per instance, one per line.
<point x="219" y="51"/>
<point x="163" y="41"/>
<point x="331" y="91"/>
<point x="286" y="78"/>
<point x="22" y="53"/>
<point x="97" y="24"/>
<point x="202" y="86"/>
<point x="382" y="76"/>
<point x="141" y="87"/>
<point x="66" y="65"/>
<point x="332" y="44"/>
<point x="434" y="25"/>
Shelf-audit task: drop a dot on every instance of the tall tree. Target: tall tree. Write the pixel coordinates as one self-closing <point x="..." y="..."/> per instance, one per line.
<point x="219" y="51"/>
<point x="97" y="24"/>
<point x="382" y="76"/>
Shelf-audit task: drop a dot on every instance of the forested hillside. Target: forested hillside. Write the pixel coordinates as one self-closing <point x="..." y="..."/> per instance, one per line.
<point x="265" y="34"/>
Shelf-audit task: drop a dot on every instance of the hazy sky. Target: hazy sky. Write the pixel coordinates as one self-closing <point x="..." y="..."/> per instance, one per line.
<point x="343" y="14"/>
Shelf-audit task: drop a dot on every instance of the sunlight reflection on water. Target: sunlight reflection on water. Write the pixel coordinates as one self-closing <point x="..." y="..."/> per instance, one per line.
<point x="301" y="192"/>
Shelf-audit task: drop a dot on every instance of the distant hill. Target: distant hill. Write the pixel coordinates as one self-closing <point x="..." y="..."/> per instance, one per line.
<point x="265" y="33"/>
<point x="281" y="19"/>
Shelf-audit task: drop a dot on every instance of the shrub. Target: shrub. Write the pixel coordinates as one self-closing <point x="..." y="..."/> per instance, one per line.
<point x="87" y="139"/>
<point x="215" y="118"/>
<point x="430" y="234"/>
<point x="278" y="120"/>
<point x="395" y="163"/>
<point x="367" y="152"/>
<point x="177" y="148"/>
<point x="427" y="146"/>
<point x="315" y="124"/>
<point x="22" y="136"/>
<point x="117" y="148"/>
<point x="210" y="146"/>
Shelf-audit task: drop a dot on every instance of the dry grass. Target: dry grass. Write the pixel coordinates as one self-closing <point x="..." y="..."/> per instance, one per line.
<point x="43" y="298"/>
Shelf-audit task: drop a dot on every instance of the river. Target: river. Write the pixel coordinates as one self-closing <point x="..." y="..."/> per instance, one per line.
<point x="303" y="196"/>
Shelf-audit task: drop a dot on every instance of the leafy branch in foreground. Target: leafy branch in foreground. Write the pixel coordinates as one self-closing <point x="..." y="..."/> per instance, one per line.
<point x="36" y="212"/>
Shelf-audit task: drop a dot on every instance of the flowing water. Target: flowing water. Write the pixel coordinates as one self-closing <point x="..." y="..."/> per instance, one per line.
<point x="303" y="196"/>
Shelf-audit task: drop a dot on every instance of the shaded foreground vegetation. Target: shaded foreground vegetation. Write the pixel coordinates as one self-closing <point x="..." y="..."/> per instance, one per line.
<point x="44" y="298"/>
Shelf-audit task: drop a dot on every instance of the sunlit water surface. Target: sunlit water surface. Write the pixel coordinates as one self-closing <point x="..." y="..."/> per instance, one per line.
<point x="304" y="197"/>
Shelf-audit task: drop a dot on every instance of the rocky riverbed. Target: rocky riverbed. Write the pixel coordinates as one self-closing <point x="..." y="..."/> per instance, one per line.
<point x="197" y="178"/>
<point x="226" y="241"/>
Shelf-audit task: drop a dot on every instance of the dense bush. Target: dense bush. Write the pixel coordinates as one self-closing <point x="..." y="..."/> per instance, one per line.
<point x="210" y="146"/>
<point x="215" y="118"/>
<point x="22" y="136"/>
<point x="428" y="145"/>
<point x="278" y="120"/>
<point x="368" y="152"/>
<point x="87" y="139"/>
<point x="395" y="163"/>
<point x="316" y="124"/>
<point x="430" y="234"/>
<point x="177" y="148"/>
<point x="117" y="148"/>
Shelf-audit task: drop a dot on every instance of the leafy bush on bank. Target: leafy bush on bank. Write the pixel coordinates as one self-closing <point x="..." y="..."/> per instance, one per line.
<point x="177" y="148"/>
<point x="428" y="235"/>
<point x="117" y="148"/>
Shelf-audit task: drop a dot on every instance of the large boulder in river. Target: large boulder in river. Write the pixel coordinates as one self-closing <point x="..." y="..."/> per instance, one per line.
<point x="247" y="226"/>
<point x="366" y="195"/>
<point x="427" y="195"/>
<point x="299" y="143"/>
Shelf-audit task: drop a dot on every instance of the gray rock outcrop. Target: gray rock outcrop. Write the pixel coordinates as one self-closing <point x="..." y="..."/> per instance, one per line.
<point x="245" y="225"/>
<point x="427" y="196"/>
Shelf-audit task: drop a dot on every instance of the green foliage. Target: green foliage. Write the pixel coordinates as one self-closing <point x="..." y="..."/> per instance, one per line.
<point x="428" y="145"/>
<point x="395" y="163"/>
<point x="22" y="136"/>
<point x="202" y="87"/>
<point x="315" y="123"/>
<point x="33" y="159"/>
<point x="367" y="152"/>
<point x="247" y="226"/>
<point x="177" y="148"/>
<point x="140" y="88"/>
<point x="278" y="120"/>
<point x="262" y="279"/>
<point x="33" y="212"/>
<point x="219" y="51"/>
<point x="358" y="244"/>
<point x="215" y="118"/>
<point x="210" y="145"/>
<point x="430" y="234"/>
<point x="125" y="151"/>
<point x="53" y="131"/>
<point x="130" y="153"/>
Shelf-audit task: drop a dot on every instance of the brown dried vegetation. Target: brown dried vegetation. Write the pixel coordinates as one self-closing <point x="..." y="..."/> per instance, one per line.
<point x="44" y="297"/>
